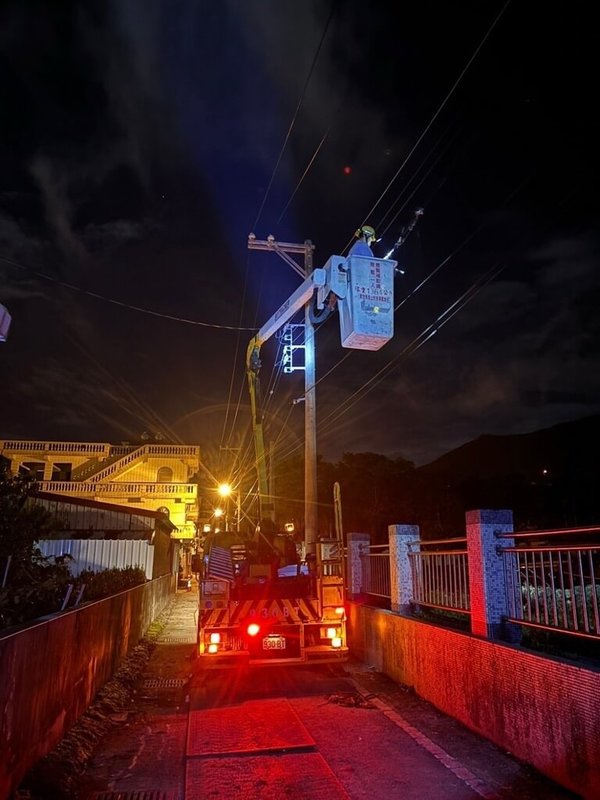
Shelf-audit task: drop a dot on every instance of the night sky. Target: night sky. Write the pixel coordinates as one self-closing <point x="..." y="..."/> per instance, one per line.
<point x="143" y="140"/>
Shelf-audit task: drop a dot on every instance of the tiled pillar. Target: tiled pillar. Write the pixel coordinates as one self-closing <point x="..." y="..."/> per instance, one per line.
<point x="356" y="541"/>
<point x="489" y="601"/>
<point x="401" y="581"/>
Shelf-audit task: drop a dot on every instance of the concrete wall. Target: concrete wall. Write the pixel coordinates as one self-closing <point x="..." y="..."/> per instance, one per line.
<point x="544" y="711"/>
<point x="52" y="670"/>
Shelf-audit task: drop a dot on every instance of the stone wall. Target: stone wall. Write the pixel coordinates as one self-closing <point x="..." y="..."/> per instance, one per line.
<point x="52" y="670"/>
<point x="543" y="710"/>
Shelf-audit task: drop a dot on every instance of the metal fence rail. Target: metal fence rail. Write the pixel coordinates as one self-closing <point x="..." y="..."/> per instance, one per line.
<point x="375" y="570"/>
<point x="554" y="587"/>
<point x="551" y="578"/>
<point x="440" y="577"/>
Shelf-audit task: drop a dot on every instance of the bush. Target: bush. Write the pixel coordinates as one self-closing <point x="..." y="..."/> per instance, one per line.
<point x="35" y="588"/>
<point x="44" y="582"/>
<point x="109" y="581"/>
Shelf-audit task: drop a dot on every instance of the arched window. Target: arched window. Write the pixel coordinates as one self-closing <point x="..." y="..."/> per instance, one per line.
<point x="164" y="510"/>
<point x="165" y="475"/>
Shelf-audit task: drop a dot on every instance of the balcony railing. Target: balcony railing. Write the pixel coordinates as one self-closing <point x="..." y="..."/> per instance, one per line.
<point x="117" y="466"/>
<point x="28" y="446"/>
<point x="181" y="450"/>
<point x="79" y="488"/>
<point x="134" y="454"/>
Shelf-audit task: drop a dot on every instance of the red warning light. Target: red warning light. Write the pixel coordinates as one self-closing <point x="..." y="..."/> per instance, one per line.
<point x="347" y="170"/>
<point x="253" y="629"/>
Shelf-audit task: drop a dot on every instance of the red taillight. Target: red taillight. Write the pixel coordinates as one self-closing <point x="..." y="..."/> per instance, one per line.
<point x="253" y="629"/>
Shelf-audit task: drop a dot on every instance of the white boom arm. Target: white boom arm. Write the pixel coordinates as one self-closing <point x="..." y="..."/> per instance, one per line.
<point x="293" y="304"/>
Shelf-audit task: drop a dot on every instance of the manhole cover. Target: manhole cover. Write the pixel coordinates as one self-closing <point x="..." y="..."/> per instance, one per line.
<point x="164" y="683"/>
<point x="144" y="795"/>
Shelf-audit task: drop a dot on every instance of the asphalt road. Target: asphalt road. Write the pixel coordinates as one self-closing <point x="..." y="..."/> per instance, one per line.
<point x="300" y="734"/>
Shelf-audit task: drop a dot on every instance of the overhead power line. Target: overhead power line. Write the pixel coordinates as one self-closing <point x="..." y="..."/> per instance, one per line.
<point x="120" y="303"/>
<point x="438" y="112"/>
<point x="293" y="122"/>
<point x="341" y="409"/>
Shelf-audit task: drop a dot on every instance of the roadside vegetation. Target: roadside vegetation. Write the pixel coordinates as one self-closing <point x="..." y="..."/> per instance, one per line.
<point x="31" y="585"/>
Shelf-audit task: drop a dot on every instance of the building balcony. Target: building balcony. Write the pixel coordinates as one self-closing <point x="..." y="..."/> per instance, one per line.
<point x="11" y="447"/>
<point x="186" y="491"/>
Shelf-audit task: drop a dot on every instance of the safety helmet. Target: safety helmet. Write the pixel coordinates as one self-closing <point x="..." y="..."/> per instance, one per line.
<point x="367" y="231"/>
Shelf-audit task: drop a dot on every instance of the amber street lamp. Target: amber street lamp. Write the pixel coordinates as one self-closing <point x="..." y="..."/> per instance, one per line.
<point x="225" y="490"/>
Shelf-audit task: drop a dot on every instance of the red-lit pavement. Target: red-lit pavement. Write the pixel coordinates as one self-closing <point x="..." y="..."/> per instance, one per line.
<point x="295" y="734"/>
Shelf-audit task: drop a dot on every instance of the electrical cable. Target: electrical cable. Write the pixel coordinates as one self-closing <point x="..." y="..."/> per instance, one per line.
<point x="425" y="335"/>
<point x="234" y="364"/>
<point x="444" y="262"/>
<point x="418" y="341"/>
<point x="437" y="113"/>
<point x="327" y="132"/>
<point x="324" y="138"/>
<point x="293" y="122"/>
<point x="304" y="174"/>
<point x="120" y="303"/>
<point x="380" y="224"/>
<point x="412" y="347"/>
<point x="431" y="329"/>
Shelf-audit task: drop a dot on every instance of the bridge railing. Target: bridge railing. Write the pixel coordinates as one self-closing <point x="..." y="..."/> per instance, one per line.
<point x="440" y="575"/>
<point x="554" y="586"/>
<point x="375" y="570"/>
<point x="549" y="580"/>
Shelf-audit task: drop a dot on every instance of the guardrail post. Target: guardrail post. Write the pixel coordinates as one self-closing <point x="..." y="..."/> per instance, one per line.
<point x="401" y="579"/>
<point x="489" y="601"/>
<point x="356" y="541"/>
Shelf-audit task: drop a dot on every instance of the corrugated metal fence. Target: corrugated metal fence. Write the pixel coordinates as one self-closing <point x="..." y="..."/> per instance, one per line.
<point x="100" y="554"/>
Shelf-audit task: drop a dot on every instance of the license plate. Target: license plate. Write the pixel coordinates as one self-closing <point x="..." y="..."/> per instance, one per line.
<point x="274" y="643"/>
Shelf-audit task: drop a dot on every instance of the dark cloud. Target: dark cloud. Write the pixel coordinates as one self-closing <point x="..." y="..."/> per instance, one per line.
<point x="139" y="147"/>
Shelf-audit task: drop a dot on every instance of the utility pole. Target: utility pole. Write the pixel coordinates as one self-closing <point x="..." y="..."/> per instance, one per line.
<point x="310" y="420"/>
<point x="285" y="250"/>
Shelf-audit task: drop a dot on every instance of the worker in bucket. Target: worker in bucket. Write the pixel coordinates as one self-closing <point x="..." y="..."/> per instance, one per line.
<point x="365" y="237"/>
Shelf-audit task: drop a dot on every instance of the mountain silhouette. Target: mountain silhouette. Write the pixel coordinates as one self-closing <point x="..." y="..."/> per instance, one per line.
<point x="549" y="477"/>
